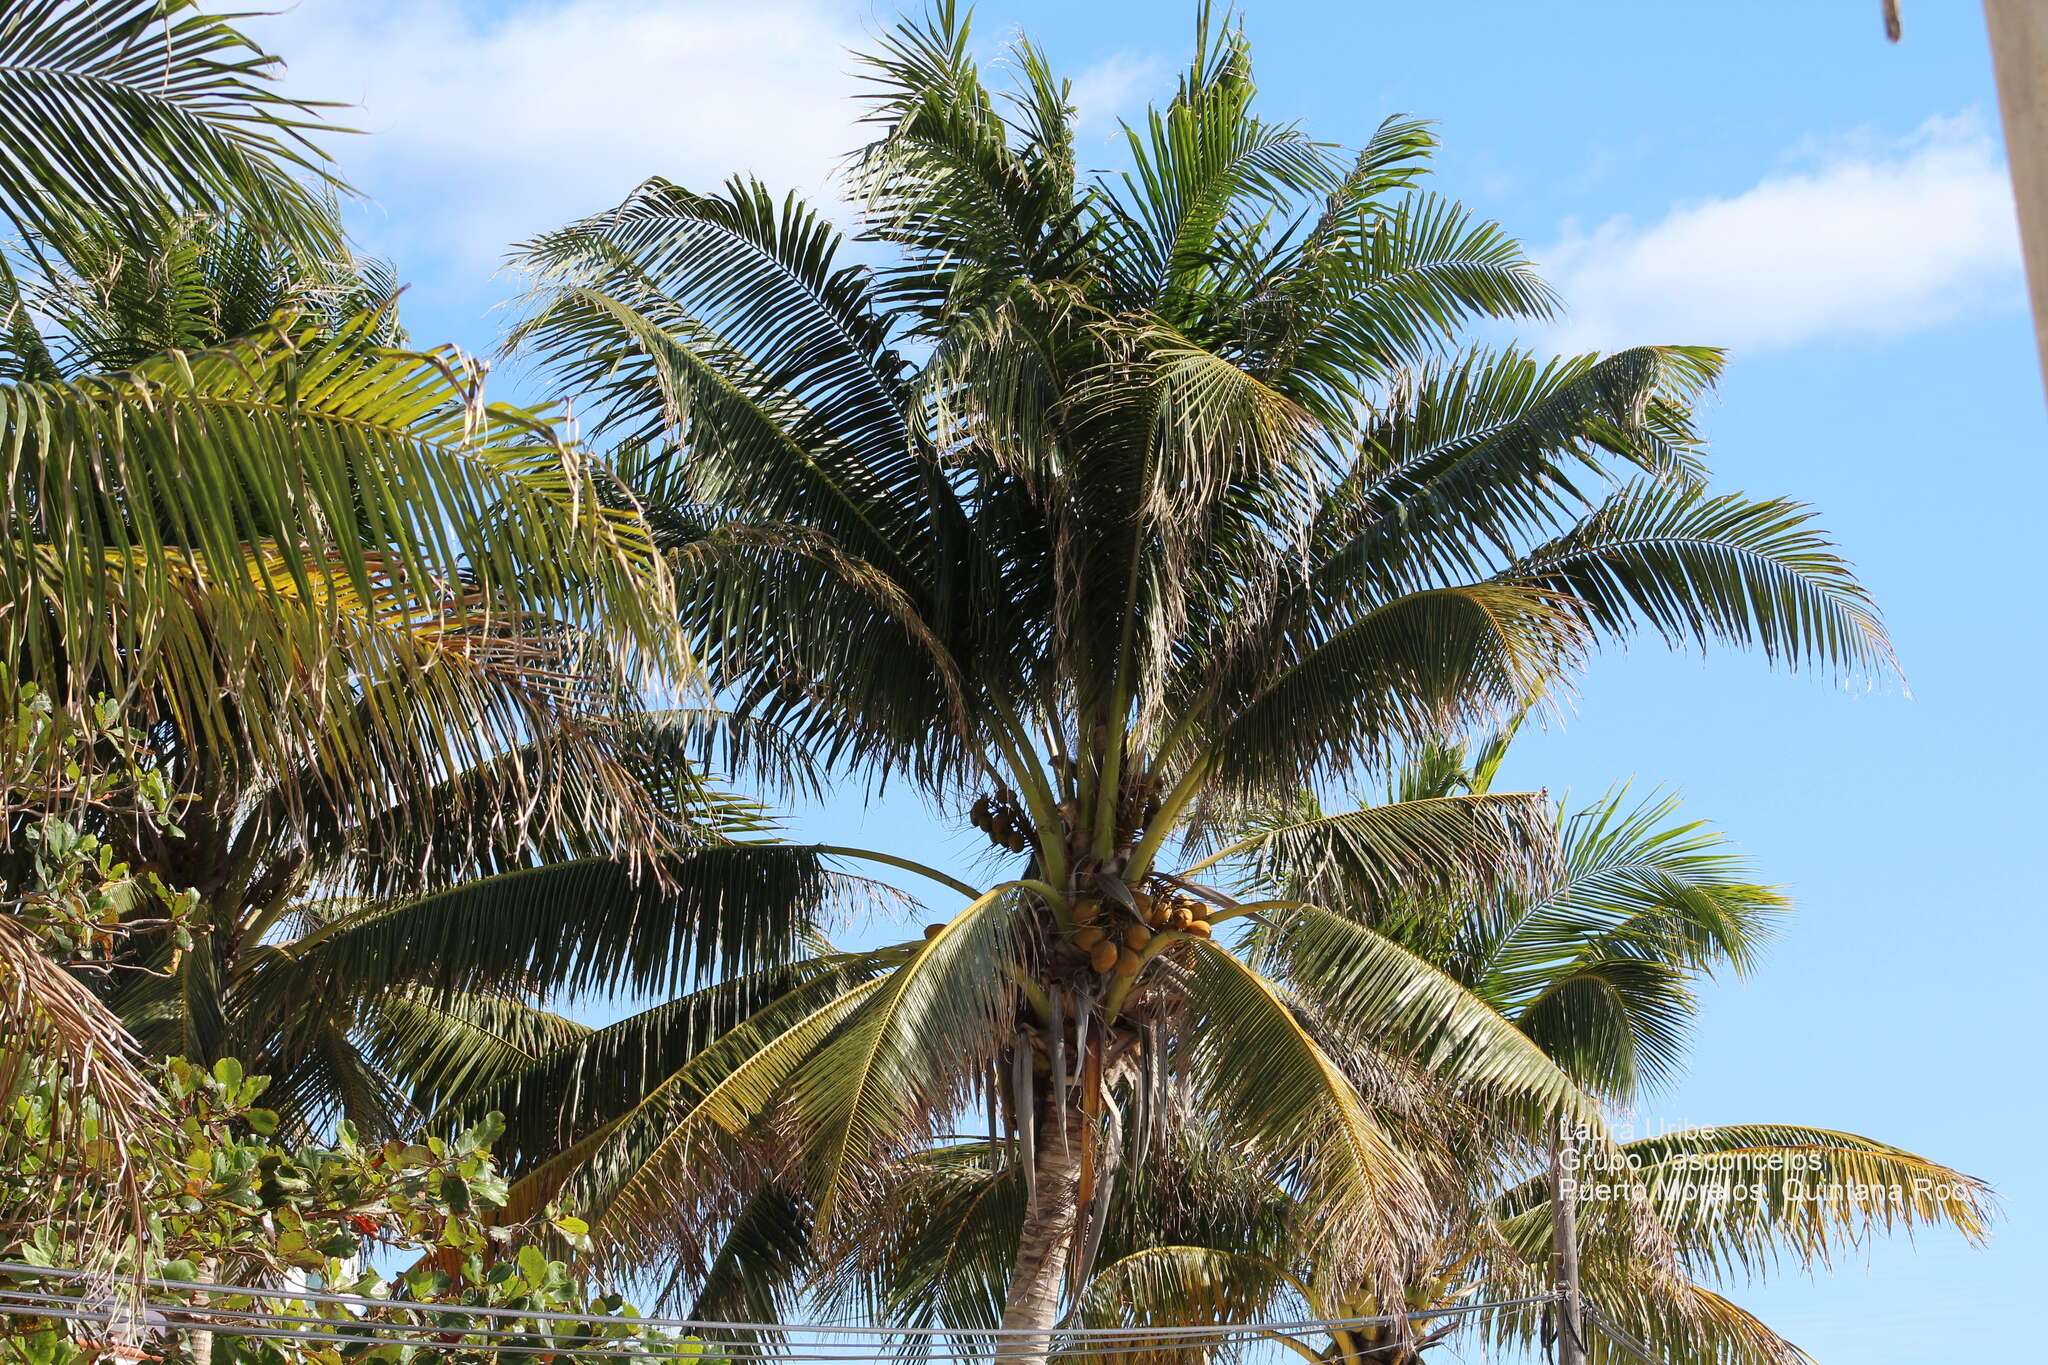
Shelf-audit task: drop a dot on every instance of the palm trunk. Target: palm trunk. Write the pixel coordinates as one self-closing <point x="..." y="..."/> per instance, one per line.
<point x="1046" y="1247"/>
<point x="199" y="1340"/>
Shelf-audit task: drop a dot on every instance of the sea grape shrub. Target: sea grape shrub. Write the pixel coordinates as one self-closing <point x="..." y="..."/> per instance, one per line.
<point x="226" y="1202"/>
<point x="67" y="775"/>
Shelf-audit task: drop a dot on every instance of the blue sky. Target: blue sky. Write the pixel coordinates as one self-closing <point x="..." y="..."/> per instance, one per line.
<point x="1772" y="177"/>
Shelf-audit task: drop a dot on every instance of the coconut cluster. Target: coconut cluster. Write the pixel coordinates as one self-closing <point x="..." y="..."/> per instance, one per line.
<point x="1003" y="820"/>
<point x="1115" y="938"/>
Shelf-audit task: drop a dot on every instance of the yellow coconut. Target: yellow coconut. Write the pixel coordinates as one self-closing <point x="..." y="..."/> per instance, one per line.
<point x="1158" y="912"/>
<point x="1104" y="957"/>
<point x="1086" y="912"/>
<point x="934" y="930"/>
<point x="1126" y="963"/>
<point x="1199" y="928"/>
<point x="1088" y="936"/>
<point x="1137" y="936"/>
<point x="1183" y="915"/>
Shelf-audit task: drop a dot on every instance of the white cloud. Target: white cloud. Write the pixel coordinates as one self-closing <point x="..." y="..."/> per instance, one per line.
<point x="1872" y="240"/>
<point x="488" y="123"/>
<point x="1113" y="89"/>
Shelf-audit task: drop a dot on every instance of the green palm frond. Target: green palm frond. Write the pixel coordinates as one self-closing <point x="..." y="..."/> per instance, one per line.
<point x="1738" y="1202"/>
<point x="1807" y="1195"/>
<point x="112" y="294"/>
<point x="1486" y="448"/>
<point x="443" y="1046"/>
<point x="259" y="537"/>
<point x="1197" y="163"/>
<point x="1420" y="665"/>
<point x="147" y="110"/>
<point x="1695" y="568"/>
<point x="641" y="1127"/>
<point x="1188" y="1286"/>
<point x="582" y="925"/>
<point x="945" y="180"/>
<point x="1675" y="1320"/>
<point x="1213" y="424"/>
<point x="941" y="1257"/>
<point x="1594" y="958"/>
<point x="878" y="1081"/>
<point x="601" y="786"/>
<point x="1362" y="861"/>
<point x="1416" y="272"/>
<point x="801" y="350"/>
<point x="758" y="1271"/>
<point x="1615" y="1024"/>
<point x="1385" y="992"/>
<point x="1707" y="1330"/>
<point x="1286" y="1103"/>
<point x="588" y="1082"/>
<point x="1632" y="879"/>
<point x="650" y="1179"/>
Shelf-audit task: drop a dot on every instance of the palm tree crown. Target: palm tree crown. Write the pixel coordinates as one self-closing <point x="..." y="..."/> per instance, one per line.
<point x="1110" y="511"/>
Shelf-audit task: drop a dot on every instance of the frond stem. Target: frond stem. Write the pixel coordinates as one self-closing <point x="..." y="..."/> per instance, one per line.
<point x="1253" y="908"/>
<point x="1184" y="791"/>
<point x="834" y="850"/>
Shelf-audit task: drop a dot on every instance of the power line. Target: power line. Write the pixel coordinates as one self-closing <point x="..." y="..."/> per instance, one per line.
<point x="514" y="1340"/>
<point x="1619" y="1337"/>
<point x="234" y="1322"/>
<point x="540" y="1345"/>
<point x="699" y="1327"/>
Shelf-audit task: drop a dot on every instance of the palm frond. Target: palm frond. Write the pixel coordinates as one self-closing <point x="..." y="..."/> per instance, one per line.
<point x="259" y="538"/>
<point x="942" y="1254"/>
<point x="1424" y="664"/>
<point x="1741" y="1199"/>
<point x="445" y="1046"/>
<point x="588" y="1082"/>
<point x="1694" y="568"/>
<point x="1468" y="456"/>
<point x="1289" y="1106"/>
<point x="1384" y="992"/>
<point x="1361" y="861"/>
<point x="857" y="1099"/>
<point x="582" y="925"/>
<point x="147" y="110"/>
<point x="1616" y="1024"/>
<point x="1188" y="1286"/>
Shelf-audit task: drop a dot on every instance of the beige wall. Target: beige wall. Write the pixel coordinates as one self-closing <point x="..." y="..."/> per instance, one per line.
<point x="2019" y="50"/>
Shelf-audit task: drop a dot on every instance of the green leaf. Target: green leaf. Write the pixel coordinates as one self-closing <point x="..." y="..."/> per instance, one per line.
<point x="146" y="109"/>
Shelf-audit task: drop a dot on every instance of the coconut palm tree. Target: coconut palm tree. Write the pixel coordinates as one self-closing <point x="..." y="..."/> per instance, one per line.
<point x="1594" y="960"/>
<point x="372" y="941"/>
<point x="1708" y="1205"/>
<point x="1106" y="511"/>
<point x="383" y="636"/>
<point x="122" y="112"/>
